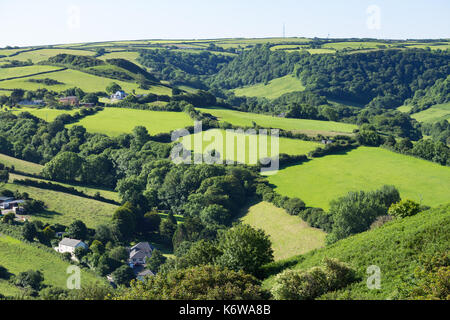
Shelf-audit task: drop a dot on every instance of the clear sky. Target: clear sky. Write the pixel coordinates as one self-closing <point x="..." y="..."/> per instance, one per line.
<point x="31" y="22"/>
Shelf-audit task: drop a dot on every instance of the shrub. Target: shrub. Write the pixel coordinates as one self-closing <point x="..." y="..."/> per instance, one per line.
<point x="404" y="208"/>
<point x="294" y="206"/>
<point x="380" y="221"/>
<point x="339" y="274"/>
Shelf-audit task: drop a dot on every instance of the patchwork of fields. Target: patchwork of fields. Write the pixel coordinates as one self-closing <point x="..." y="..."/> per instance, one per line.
<point x="321" y="180"/>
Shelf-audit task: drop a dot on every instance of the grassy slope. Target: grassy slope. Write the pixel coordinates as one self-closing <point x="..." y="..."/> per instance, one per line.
<point x="64" y="208"/>
<point x="319" y="181"/>
<point x="395" y="248"/>
<point x="115" y="121"/>
<point x="274" y="89"/>
<point x="435" y="113"/>
<point x="18" y="256"/>
<point x="6" y="73"/>
<point x="245" y="119"/>
<point x="289" y="234"/>
<point x="21" y="165"/>
<point x="74" y="78"/>
<point x="43" y="54"/>
<point x="288" y="146"/>
<point x="44" y="113"/>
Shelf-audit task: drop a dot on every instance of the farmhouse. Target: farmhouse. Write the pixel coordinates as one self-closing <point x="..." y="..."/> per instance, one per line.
<point x="11" y="204"/>
<point x="139" y="253"/>
<point x="119" y="95"/>
<point x="70" y="100"/>
<point x="69" y="245"/>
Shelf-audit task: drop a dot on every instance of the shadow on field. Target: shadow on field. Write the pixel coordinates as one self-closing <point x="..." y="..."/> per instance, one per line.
<point x="47" y="214"/>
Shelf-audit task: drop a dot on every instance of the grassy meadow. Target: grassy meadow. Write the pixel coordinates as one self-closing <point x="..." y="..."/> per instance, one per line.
<point x="274" y="89"/>
<point x="435" y="113"/>
<point x="43" y="54"/>
<point x="212" y="139"/>
<point x="46" y="114"/>
<point x="289" y="234"/>
<point x="244" y="119"/>
<point x="6" y="73"/>
<point x="321" y="180"/>
<point x="115" y="121"/>
<point x="21" y="165"/>
<point x="35" y="258"/>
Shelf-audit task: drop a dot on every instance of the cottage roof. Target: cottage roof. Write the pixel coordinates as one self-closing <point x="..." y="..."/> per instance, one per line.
<point x="70" y="242"/>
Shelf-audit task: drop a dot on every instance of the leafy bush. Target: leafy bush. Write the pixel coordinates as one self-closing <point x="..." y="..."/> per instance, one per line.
<point x="404" y="208"/>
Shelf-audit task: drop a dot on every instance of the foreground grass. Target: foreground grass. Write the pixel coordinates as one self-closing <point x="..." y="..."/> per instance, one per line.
<point x="321" y="180"/>
<point x="395" y="248"/>
<point x="289" y="234"/>
<point x="274" y="89"/>
<point x="115" y="121"/>
<point x="244" y="119"/>
<point x="65" y="208"/>
<point x="18" y="256"/>
<point x="21" y="165"/>
<point x="245" y="145"/>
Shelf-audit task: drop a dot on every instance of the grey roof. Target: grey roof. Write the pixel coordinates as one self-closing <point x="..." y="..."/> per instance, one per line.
<point x="145" y="246"/>
<point x="70" y="242"/>
<point x="2" y="199"/>
<point x="139" y="254"/>
<point x="146" y="272"/>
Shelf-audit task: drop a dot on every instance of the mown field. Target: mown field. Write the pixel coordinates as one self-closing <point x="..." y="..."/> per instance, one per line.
<point x="46" y="114"/>
<point x="82" y="80"/>
<point x="289" y="234"/>
<point x="115" y="121"/>
<point x="395" y="248"/>
<point x="43" y="54"/>
<point x="245" y="119"/>
<point x="321" y="180"/>
<point x="274" y="89"/>
<point x="435" y="113"/>
<point x="245" y="145"/>
<point x="18" y="256"/>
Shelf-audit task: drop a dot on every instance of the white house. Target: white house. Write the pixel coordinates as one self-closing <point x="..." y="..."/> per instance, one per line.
<point x="119" y="95"/>
<point x="69" y="245"/>
<point x="139" y="253"/>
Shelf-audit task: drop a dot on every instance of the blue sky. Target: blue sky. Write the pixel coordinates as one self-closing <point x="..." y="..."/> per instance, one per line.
<point x="64" y="21"/>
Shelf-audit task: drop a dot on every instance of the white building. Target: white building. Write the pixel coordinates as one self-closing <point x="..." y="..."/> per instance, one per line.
<point x="119" y="95"/>
<point x="139" y="253"/>
<point x="69" y="245"/>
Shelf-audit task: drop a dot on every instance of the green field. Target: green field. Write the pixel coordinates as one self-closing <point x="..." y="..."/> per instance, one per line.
<point x="43" y="54"/>
<point x="289" y="234"/>
<point x="321" y="180"/>
<point x="354" y="45"/>
<point x="46" y="114"/>
<point x="21" y="165"/>
<point x="18" y="256"/>
<point x="246" y="118"/>
<point x="6" y="73"/>
<point x="274" y="89"/>
<point x="250" y="145"/>
<point x="435" y="113"/>
<point x="128" y="55"/>
<point x="404" y="108"/>
<point x="64" y="208"/>
<point x="396" y="248"/>
<point x="82" y="80"/>
<point x="115" y="121"/>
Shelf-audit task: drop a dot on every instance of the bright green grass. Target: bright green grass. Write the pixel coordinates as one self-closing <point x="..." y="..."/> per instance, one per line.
<point x="21" y="165"/>
<point x="65" y="208"/>
<point x="395" y="248"/>
<point x="82" y="80"/>
<point x="244" y="119"/>
<point x="321" y="180"/>
<point x="288" y="47"/>
<point x="289" y="234"/>
<point x="128" y="55"/>
<point x="250" y="145"/>
<point x="43" y="54"/>
<point x="6" y="73"/>
<point x="18" y="256"/>
<point x="274" y="89"/>
<point x="115" y="121"/>
<point x="320" y="51"/>
<point x="435" y="113"/>
<point x="91" y="191"/>
<point x="354" y="45"/>
<point x="46" y="114"/>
